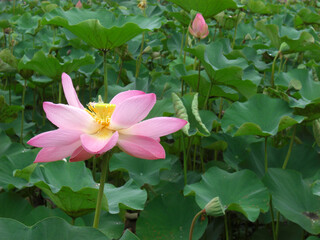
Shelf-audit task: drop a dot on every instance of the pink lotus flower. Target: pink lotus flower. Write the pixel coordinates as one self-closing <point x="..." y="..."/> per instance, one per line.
<point x="199" y="27"/>
<point x="79" y="4"/>
<point x="83" y="133"/>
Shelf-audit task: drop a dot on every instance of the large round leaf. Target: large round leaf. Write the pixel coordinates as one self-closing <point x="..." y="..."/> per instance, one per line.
<point x="18" y="208"/>
<point x="293" y="197"/>
<point x="101" y="29"/>
<point x="240" y="191"/>
<point x="260" y="115"/>
<point x="140" y="170"/>
<point x="128" y="196"/>
<point x="208" y="8"/>
<point x="49" y="65"/>
<point x="69" y="185"/>
<point x="169" y="217"/>
<point x="50" y="229"/>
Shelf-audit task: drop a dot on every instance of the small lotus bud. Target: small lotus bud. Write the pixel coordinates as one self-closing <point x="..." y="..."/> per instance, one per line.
<point x="155" y="54"/>
<point x="79" y="4"/>
<point x="199" y="27"/>
<point x="214" y="207"/>
<point x="284" y="47"/>
<point x="147" y="49"/>
<point x="142" y="4"/>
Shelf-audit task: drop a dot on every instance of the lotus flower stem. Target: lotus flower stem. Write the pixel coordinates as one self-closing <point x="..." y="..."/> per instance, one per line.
<point x="184" y="160"/>
<point x="138" y="64"/>
<point x="103" y="177"/>
<point x="193" y="223"/>
<point x="23" y="107"/>
<point x="272" y="218"/>
<point x="182" y="41"/>
<point x="207" y="97"/>
<point x="265" y="155"/>
<point x="272" y="71"/>
<point x="290" y="148"/>
<point x="226" y="226"/>
<point x="60" y="93"/>
<point x="235" y="30"/>
<point x="105" y="75"/>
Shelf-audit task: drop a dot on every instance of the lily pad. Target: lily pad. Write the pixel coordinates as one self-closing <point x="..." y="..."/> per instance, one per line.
<point x="208" y="8"/>
<point x="20" y="209"/>
<point x="140" y="170"/>
<point x="52" y="228"/>
<point x="293" y="197"/>
<point x="297" y="41"/>
<point x="169" y="217"/>
<point x="49" y="65"/>
<point x="101" y="29"/>
<point x="240" y="191"/>
<point x="260" y="115"/>
<point x="235" y="73"/>
<point x="128" y="196"/>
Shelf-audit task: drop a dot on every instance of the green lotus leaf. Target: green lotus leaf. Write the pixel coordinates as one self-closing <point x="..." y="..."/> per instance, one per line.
<point x="50" y="66"/>
<point x="140" y="170"/>
<point x="253" y="158"/>
<point x="260" y="115"/>
<point x="128" y="235"/>
<point x="52" y="228"/>
<point x="169" y="217"/>
<point x="235" y="73"/>
<point x="240" y="191"/>
<point x="297" y="41"/>
<point x="101" y="29"/>
<point x="208" y="8"/>
<point x="293" y="197"/>
<point x="21" y="210"/>
<point x="128" y="196"/>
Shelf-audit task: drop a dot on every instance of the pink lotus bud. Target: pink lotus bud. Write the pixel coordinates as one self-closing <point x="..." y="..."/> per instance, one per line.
<point x="199" y="27"/>
<point x="79" y="4"/>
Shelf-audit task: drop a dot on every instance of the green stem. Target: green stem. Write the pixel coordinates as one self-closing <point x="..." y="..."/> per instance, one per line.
<point x="23" y="107"/>
<point x="235" y="31"/>
<point x="272" y="71"/>
<point x="34" y="104"/>
<point x="226" y="227"/>
<point x="9" y="90"/>
<point x="199" y="69"/>
<point x="272" y="219"/>
<point x="60" y="92"/>
<point x="277" y="226"/>
<point x="94" y="164"/>
<point x="185" y="44"/>
<point x="105" y="75"/>
<point x="138" y="64"/>
<point x="184" y="160"/>
<point x="194" y="222"/>
<point x="194" y="157"/>
<point x="103" y="177"/>
<point x="73" y="220"/>
<point x="265" y="155"/>
<point x="207" y="97"/>
<point x="182" y="40"/>
<point x="120" y="70"/>
<point x="290" y="148"/>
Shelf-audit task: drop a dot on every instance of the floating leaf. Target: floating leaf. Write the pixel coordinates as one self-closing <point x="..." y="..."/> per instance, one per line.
<point x="169" y="217"/>
<point x="49" y="65"/>
<point x="293" y="197"/>
<point x="240" y="191"/>
<point x="101" y="29"/>
<point x="260" y="115"/>
<point x="52" y="228"/>
<point x="140" y="170"/>
<point x="208" y="8"/>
